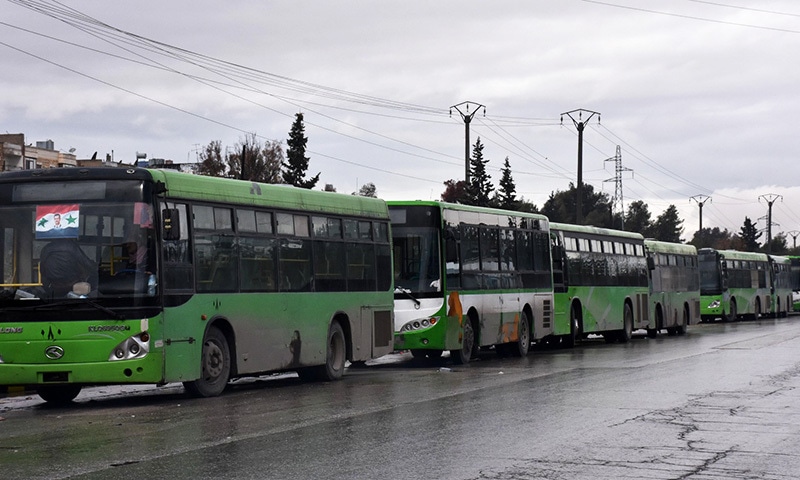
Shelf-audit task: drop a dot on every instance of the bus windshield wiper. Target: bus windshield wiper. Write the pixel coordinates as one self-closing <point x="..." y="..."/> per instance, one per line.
<point x="67" y="303"/>
<point x="407" y="293"/>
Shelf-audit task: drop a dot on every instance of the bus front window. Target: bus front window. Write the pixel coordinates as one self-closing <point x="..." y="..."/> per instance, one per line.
<point x="416" y="259"/>
<point x="710" y="276"/>
<point x="96" y="242"/>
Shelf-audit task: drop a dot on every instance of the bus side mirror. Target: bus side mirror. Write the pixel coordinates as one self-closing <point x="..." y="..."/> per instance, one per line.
<point x="651" y="263"/>
<point x="171" y="224"/>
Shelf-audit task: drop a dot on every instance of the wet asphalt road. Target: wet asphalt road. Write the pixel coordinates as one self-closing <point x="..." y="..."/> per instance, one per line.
<point x="721" y="402"/>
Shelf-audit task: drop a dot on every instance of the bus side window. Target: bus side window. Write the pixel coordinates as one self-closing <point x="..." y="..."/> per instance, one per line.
<point x="452" y="263"/>
<point x="177" y="255"/>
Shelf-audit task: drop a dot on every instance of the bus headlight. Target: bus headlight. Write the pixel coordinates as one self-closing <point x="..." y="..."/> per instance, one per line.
<point x="137" y="346"/>
<point x="714" y="304"/>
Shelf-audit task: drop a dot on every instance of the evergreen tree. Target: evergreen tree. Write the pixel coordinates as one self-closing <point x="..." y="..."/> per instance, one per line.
<point x="479" y="189"/>
<point x="668" y="227"/>
<point x="749" y="235"/>
<point x="507" y="193"/>
<point x="211" y="162"/>
<point x="296" y="164"/>
<point x="637" y="218"/>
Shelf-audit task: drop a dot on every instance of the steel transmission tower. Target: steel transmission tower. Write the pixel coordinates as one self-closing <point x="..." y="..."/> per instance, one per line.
<point x="467" y="116"/>
<point x="617" y="203"/>
<point x="794" y="234"/>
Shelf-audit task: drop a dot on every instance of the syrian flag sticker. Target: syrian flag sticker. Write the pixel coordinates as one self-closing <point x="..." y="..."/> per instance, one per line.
<point x="57" y="221"/>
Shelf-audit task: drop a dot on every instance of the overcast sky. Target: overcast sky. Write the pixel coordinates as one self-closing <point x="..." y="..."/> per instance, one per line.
<point x="698" y="95"/>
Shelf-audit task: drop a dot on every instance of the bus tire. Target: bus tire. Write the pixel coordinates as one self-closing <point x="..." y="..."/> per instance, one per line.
<point x="58" y="394"/>
<point x="335" y="358"/>
<point x="574" y="328"/>
<point x="732" y="314"/>
<point x="523" y="344"/>
<point x="653" y="332"/>
<point x="463" y="355"/>
<point x="681" y="329"/>
<point x="757" y="312"/>
<point x="626" y="333"/>
<point x="215" y="362"/>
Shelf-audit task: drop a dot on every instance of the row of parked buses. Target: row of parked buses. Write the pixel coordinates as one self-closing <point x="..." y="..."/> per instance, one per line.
<point x="114" y="276"/>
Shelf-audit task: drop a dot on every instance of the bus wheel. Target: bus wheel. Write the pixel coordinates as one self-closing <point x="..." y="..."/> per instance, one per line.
<point x="58" y="394"/>
<point x="462" y="356"/>
<point x="523" y="344"/>
<point x="627" y="325"/>
<point x="653" y="332"/>
<point x="216" y="366"/>
<point x="335" y="358"/>
<point x="732" y="314"/>
<point x="681" y="329"/>
<point x="574" y="328"/>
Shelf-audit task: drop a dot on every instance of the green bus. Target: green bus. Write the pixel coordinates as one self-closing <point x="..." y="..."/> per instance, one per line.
<point x="674" y="287"/>
<point x="468" y="278"/>
<point x="780" y="285"/>
<point x="733" y="284"/>
<point x="600" y="283"/>
<point x="794" y="280"/>
<point x="128" y="275"/>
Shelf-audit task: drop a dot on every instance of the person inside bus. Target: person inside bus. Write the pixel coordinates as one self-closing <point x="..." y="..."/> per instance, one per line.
<point x="63" y="264"/>
<point x="136" y="256"/>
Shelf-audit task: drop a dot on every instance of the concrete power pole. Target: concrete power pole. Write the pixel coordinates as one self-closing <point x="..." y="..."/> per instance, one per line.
<point x="770" y="198"/>
<point x="466" y="116"/>
<point x="617" y="203"/>
<point x="701" y="200"/>
<point x="580" y="124"/>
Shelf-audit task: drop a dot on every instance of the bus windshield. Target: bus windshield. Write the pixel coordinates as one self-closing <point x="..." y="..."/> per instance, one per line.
<point x="710" y="278"/>
<point x="416" y="259"/>
<point x="87" y="241"/>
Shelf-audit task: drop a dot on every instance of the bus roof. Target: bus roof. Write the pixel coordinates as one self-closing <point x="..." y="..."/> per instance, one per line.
<point x="737" y="255"/>
<point x="215" y="189"/>
<point x="607" y="232"/>
<point x="466" y="208"/>
<point x="658" y="246"/>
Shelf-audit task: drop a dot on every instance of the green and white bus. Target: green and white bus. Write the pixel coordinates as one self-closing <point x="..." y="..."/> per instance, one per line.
<point x="600" y="283"/>
<point x="780" y="285"/>
<point x="468" y="278"/>
<point x="794" y="281"/>
<point x="674" y="287"/>
<point x="733" y="284"/>
<point x="114" y="276"/>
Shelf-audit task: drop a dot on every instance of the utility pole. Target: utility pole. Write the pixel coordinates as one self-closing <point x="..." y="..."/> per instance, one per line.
<point x="701" y="200"/>
<point x="794" y="234"/>
<point x="580" y="124"/>
<point x="770" y="198"/>
<point x="466" y="116"/>
<point x="617" y="202"/>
